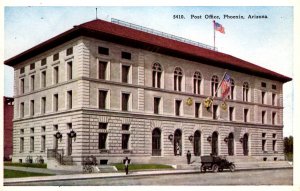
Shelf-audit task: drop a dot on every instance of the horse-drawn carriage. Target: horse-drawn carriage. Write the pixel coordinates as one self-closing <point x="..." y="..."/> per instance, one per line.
<point x="216" y="164"/>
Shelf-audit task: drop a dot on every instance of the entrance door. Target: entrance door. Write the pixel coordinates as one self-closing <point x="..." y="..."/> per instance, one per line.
<point x="177" y="142"/>
<point x="245" y="144"/>
<point x="69" y="146"/>
<point x="214" y="143"/>
<point x="231" y="144"/>
<point x="156" y="148"/>
<point x="197" y="143"/>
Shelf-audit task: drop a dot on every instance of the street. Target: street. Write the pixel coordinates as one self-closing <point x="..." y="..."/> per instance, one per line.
<point x="254" y="177"/>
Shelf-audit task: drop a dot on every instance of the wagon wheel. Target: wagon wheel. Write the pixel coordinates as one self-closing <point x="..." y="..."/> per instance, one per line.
<point x="85" y="169"/>
<point x="215" y="168"/>
<point x="232" y="168"/>
<point x="202" y="168"/>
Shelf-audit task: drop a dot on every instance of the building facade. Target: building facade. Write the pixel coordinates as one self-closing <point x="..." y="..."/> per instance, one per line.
<point x="110" y="91"/>
<point x="8" y="115"/>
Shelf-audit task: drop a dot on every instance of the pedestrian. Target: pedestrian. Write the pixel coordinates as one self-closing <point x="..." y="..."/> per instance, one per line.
<point x="188" y="156"/>
<point x="126" y="163"/>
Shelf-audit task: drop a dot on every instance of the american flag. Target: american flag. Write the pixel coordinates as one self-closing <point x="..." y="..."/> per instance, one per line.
<point x="225" y="86"/>
<point x="219" y="27"/>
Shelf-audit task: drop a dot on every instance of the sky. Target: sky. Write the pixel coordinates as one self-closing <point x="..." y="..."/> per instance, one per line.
<point x="264" y="42"/>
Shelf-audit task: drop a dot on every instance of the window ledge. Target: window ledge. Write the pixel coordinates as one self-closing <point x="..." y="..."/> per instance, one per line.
<point x="69" y="57"/>
<point x="127" y="151"/>
<point x="104" y="151"/>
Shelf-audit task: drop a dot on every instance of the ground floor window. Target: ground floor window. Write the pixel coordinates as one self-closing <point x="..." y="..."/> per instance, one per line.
<point x="125" y="141"/>
<point x="197" y="143"/>
<point x="156" y="142"/>
<point x="102" y="140"/>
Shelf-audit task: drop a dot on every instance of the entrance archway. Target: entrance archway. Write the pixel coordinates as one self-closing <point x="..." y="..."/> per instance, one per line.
<point x="197" y="143"/>
<point x="230" y="144"/>
<point x="214" y="143"/>
<point x="156" y="145"/>
<point x="245" y="144"/>
<point x="177" y="142"/>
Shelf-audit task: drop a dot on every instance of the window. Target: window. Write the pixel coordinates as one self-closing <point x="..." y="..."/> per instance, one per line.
<point x="263" y="115"/>
<point x="263" y="145"/>
<point x="32" y="108"/>
<point x="126" y="55"/>
<point x="44" y="62"/>
<point x="21" y="131"/>
<point x="32" y="66"/>
<point x="274" y="145"/>
<point x="43" y="79"/>
<point x="103" y="50"/>
<point x="32" y="79"/>
<point x="43" y="129"/>
<point x="125" y="127"/>
<point x="214" y="85"/>
<point x="102" y="140"/>
<point x="55" y="56"/>
<point x="245" y="91"/>
<point x="43" y="105"/>
<point x="69" y="70"/>
<point x="43" y="143"/>
<point x="125" y="101"/>
<point x="215" y="112"/>
<point x="125" y="141"/>
<point x="69" y="51"/>
<point x="156" y="75"/>
<point x="102" y="67"/>
<point x="273" y="118"/>
<point x="274" y="99"/>
<point x="197" y="82"/>
<point x="55" y="127"/>
<point x="31" y="144"/>
<point x="231" y="110"/>
<point x="102" y="125"/>
<point x="177" y="79"/>
<point x="263" y="84"/>
<point x="22" y="109"/>
<point x="32" y="130"/>
<point x="22" y="86"/>
<point x="197" y="109"/>
<point x="263" y="97"/>
<point x="246" y="115"/>
<point x="177" y="107"/>
<point x="69" y="99"/>
<point x="22" y="70"/>
<point x="102" y="99"/>
<point x="273" y="86"/>
<point x="125" y="73"/>
<point x="56" y="75"/>
<point x="231" y="94"/>
<point x="274" y="135"/>
<point x="21" y="144"/>
<point x="69" y="125"/>
<point x="55" y="102"/>
<point x="156" y="105"/>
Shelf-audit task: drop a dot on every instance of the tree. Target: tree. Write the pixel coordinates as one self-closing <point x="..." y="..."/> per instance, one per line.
<point x="288" y="144"/>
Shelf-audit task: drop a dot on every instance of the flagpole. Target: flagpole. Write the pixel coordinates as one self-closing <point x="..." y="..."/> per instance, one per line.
<point x="214" y="34"/>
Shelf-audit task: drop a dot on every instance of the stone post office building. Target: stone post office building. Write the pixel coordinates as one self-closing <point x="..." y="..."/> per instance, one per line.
<point x="112" y="89"/>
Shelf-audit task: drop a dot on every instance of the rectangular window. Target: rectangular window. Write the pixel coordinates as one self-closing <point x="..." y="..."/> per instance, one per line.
<point x="22" y="86"/>
<point x="125" y="73"/>
<point x="156" y="105"/>
<point x="32" y="66"/>
<point x="274" y="135"/>
<point x="263" y="84"/>
<point x="102" y="125"/>
<point x="273" y="118"/>
<point x="31" y="144"/>
<point x="263" y="145"/>
<point x="69" y="99"/>
<point x="263" y="97"/>
<point x="102" y="99"/>
<point x="32" y="79"/>
<point x="43" y="143"/>
<point x="69" y="70"/>
<point x="102" y="70"/>
<point x="32" y="108"/>
<point x="263" y="135"/>
<point x="125" y="141"/>
<point x="22" y="110"/>
<point x="21" y="131"/>
<point x="126" y="55"/>
<point x="56" y="75"/>
<point x="32" y="130"/>
<point x="231" y="110"/>
<point x="215" y="111"/>
<point x="55" y="127"/>
<point x="44" y="62"/>
<point x="177" y="107"/>
<point x="21" y="144"/>
<point x="69" y="125"/>
<point x="55" y="102"/>
<point x="43" y="129"/>
<point x="102" y="140"/>
<point x="22" y="70"/>
<point x="274" y="145"/>
<point x="103" y="50"/>
<point x="69" y="51"/>
<point x="125" y="101"/>
<point x="197" y="109"/>
<point x="246" y="115"/>
<point x="43" y="105"/>
<point x="55" y="56"/>
<point x="263" y="115"/>
<point x="273" y="86"/>
<point x="43" y="79"/>
<point x="274" y="99"/>
<point x="125" y="127"/>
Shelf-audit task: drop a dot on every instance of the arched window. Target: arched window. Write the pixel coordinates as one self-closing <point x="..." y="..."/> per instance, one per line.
<point x="214" y="143"/>
<point x="214" y="85"/>
<point x="197" y="143"/>
<point x="230" y="144"/>
<point x="231" y="94"/>
<point x="156" y="142"/>
<point x="177" y="79"/>
<point x="156" y="75"/>
<point x="245" y="91"/>
<point x="197" y="82"/>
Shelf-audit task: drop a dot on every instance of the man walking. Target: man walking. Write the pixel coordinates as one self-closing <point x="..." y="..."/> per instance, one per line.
<point x="188" y="156"/>
<point x="126" y="163"/>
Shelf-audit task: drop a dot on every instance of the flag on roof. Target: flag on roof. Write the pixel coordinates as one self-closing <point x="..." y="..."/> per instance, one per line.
<point x="225" y="86"/>
<point x="219" y="27"/>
